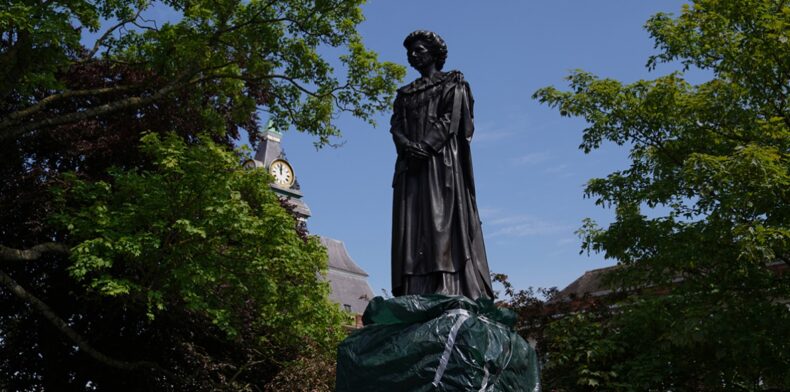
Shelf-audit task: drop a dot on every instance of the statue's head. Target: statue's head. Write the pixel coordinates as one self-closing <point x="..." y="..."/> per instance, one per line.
<point x="425" y="47"/>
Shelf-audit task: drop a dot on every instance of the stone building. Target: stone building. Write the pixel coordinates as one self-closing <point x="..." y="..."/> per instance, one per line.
<point x="350" y="288"/>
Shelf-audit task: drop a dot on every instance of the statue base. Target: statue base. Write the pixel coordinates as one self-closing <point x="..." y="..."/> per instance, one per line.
<point x="436" y="343"/>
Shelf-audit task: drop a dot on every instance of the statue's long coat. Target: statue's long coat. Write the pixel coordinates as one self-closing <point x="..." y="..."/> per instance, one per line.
<point x="436" y="231"/>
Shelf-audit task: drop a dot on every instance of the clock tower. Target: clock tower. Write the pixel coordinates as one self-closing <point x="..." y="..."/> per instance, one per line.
<point x="271" y="157"/>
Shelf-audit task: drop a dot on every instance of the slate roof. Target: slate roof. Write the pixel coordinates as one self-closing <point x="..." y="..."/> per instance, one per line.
<point x="339" y="258"/>
<point x="589" y="283"/>
<point x="300" y="207"/>
<point x="592" y="281"/>
<point x="348" y="281"/>
<point x="268" y="149"/>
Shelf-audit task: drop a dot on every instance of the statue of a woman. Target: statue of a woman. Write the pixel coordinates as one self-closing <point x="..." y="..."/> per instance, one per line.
<point x="437" y="242"/>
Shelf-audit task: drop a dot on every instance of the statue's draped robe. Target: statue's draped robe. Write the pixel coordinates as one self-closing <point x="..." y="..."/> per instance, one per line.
<point x="437" y="242"/>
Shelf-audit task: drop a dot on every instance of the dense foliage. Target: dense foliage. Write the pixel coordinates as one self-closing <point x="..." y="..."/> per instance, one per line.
<point x="563" y="331"/>
<point x="164" y="267"/>
<point x="702" y="215"/>
<point x="227" y="54"/>
<point x="191" y="272"/>
<point x="199" y="232"/>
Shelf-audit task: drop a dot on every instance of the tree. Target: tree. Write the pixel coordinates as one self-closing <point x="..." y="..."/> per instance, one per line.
<point x="238" y="54"/>
<point x="209" y="69"/>
<point x="204" y="231"/>
<point x="213" y="278"/>
<point x="70" y="118"/>
<point x="567" y="334"/>
<point x="712" y="164"/>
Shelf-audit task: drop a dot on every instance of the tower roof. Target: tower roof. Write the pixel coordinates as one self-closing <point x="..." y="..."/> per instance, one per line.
<point x="269" y="148"/>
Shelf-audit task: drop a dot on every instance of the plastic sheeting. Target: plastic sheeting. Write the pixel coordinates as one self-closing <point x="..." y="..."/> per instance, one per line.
<point x="417" y="343"/>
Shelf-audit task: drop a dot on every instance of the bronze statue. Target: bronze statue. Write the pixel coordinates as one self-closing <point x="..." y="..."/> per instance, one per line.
<point x="437" y="241"/>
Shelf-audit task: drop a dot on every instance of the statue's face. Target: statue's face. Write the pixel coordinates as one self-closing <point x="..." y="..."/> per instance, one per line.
<point x="419" y="55"/>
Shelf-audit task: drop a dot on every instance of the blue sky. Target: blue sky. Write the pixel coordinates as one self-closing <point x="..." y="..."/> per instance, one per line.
<point x="529" y="171"/>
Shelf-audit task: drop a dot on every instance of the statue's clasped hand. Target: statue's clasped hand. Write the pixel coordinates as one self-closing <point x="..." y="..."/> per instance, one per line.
<point x="418" y="150"/>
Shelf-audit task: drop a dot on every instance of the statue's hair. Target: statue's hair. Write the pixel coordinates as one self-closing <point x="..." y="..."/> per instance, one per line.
<point x="434" y="42"/>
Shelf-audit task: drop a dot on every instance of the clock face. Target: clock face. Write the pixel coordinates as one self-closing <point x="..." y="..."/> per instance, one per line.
<point x="282" y="172"/>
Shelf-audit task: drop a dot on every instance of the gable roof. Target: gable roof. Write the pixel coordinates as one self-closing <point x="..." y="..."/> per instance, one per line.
<point x="339" y="258"/>
<point x="348" y="281"/>
<point x="590" y="283"/>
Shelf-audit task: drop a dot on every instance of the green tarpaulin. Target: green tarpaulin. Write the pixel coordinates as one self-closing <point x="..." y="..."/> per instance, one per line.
<point x="436" y="342"/>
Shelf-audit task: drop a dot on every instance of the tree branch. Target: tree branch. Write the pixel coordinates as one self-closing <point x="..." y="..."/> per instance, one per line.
<point x="12" y="118"/>
<point x="244" y="368"/>
<point x="106" y="34"/>
<point x="288" y="79"/>
<point x="34" y="253"/>
<point x="126" y="103"/>
<point x="303" y="25"/>
<point x="75" y="337"/>
<point x="14" y="61"/>
<point x="10" y="129"/>
<point x="253" y="19"/>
